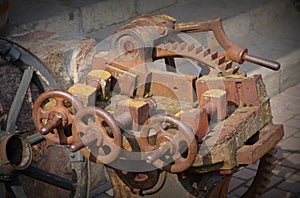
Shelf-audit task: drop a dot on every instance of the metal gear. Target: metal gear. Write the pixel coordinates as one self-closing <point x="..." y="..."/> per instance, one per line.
<point x="263" y="175"/>
<point x="261" y="179"/>
<point x="215" y="60"/>
<point x="26" y="77"/>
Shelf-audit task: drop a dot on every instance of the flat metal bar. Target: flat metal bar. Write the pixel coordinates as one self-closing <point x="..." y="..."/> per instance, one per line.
<point x="48" y="178"/>
<point x="18" y="101"/>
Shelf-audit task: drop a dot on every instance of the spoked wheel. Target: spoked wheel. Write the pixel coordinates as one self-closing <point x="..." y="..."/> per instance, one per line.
<point x="23" y="78"/>
<point x="216" y="185"/>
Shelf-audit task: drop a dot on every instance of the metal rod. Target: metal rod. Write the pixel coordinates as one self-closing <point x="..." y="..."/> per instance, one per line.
<point x="35" y="138"/>
<point x="159" y="152"/>
<point x="262" y="61"/>
<point x="52" y="123"/>
<point x="49" y="178"/>
<point x="87" y="139"/>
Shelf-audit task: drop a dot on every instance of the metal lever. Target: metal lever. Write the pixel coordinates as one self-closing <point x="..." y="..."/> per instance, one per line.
<point x="232" y="51"/>
<point x="85" y="141"/>
<point x="52" y="123"/>
<point x="261" y="61"/>
<point x="159" y="152"/>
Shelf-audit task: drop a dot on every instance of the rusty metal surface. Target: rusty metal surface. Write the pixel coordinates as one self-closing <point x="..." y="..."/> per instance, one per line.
<point x="101" y="80"/>
<point x="239" y="89"/>
<point x="202" y="126"/>
<point x="269" y="136"/>
<point x="168" y="141"/>
<point x="217" y="61"/>
<point x="226" y="137"/>
<point x="15" y="153"/>
<point x="263" y="175"/>
<point x="232" y="51"/>
<point x="175" y="86"/>
<point x="196" y="119"/>
<point x="60" y="115"/>
<point x="19" y="60"/>
<point x="102" y="129"/>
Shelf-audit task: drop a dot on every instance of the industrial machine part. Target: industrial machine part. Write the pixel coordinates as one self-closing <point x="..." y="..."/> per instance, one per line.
<point x="57" y="117"/>
<point x="168" y="140"/>
<point x="157" y="127"/>
<point x="24" y="77"/>
<point x="102" y="133"/>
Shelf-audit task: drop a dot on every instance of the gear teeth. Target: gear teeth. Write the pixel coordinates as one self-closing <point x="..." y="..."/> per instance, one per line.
<point x="216" y="60"/>
<point x="272" y="152"/>
<point x="167" y="46"/>
<point x="263" y="175"/>
<point x="271" y="160"/>
<point x="268" y="174"/>
<point x="190" y="48"/>
<point x="161" y="46"/>
<point x="206" y="52"/>
<point x="174" y="46"/>
<point x="214" y="56"/>
<point x="265" y="182"/>
<point x="225" y="66"/>
<point x="228" y="64"/>
<point x="235" y="69"/>
<point x="198" y="49"/>
<point x="182" y="46"/>
<point x="221" y="60"/>
<point x="164" y="46"/>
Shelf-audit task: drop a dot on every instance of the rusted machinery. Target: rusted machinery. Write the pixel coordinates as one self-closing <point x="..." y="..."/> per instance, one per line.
<point x="154" y="127"/>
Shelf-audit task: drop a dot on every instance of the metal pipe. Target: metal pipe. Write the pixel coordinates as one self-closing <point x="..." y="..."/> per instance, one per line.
<point x="15" y="153"/>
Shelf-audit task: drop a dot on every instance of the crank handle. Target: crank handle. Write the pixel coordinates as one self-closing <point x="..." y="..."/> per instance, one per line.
<point x="83" y="142"/>
<point x="261" y="61"/>
<point x="51" y="125"/>
<point x="159" y="152"/>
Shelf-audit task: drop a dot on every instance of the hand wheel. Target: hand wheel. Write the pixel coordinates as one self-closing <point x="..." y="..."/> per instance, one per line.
<point x="170" y="144"/>
<point x="96" y="135"/>
<point x="52" y="112"/>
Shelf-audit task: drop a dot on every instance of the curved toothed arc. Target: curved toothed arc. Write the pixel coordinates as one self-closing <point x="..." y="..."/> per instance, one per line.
<point x="263" y="175"/>
<point x="215" y="60"/>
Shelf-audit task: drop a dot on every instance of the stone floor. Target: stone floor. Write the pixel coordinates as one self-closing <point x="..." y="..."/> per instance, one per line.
<point x="286" y="179"/>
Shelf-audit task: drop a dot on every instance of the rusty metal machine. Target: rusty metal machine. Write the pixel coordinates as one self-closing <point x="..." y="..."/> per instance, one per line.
<point x="153" y="122"/>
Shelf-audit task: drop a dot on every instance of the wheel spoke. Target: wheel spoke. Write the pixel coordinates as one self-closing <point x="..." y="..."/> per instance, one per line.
<point x="18" y="101"/>
<point x="43" y="113"/>
<point x="16" y="188"/>
<point x="59" y="102"/>
<point x="49" y="178"/>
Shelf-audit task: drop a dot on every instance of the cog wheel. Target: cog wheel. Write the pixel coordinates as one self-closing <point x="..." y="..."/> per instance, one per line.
<point x="217" y="185"/>
<point x="263" y="175"/>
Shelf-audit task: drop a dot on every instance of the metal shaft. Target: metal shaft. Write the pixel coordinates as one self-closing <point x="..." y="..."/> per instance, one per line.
<point x="51" y="124"/>
<point x="262" y="61"/>
<point x="159" y="152"/>
<point x="83" y="142"/>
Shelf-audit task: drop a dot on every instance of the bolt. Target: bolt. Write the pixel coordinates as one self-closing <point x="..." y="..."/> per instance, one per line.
<point x="141" y="177"/>
<point x="128" y="46"/>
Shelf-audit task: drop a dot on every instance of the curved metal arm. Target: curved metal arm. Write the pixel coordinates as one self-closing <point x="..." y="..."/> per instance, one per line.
<point x="232" y="51"/>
